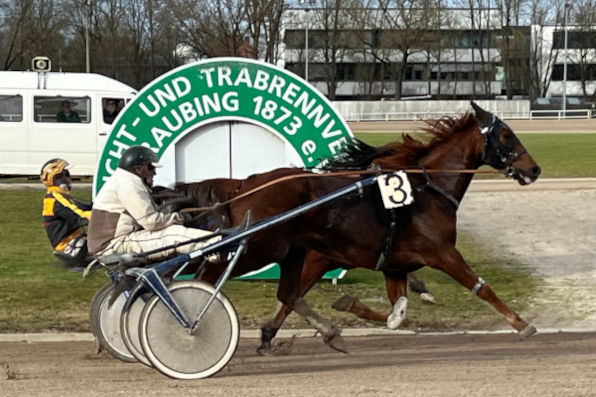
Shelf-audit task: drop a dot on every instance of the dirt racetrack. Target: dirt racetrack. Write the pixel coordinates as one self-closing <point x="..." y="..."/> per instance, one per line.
<point x="458" y="365"/>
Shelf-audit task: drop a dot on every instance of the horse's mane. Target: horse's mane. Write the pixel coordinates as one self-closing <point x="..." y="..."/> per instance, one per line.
<point x="359" y="155"/>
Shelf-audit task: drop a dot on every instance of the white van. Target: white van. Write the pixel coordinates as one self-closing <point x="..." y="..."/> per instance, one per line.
<point x="48" y="115"/>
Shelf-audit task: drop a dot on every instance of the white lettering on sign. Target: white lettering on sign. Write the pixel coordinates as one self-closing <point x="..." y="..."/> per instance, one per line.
<point x="179" y="91"/>
<point x="309" y="147"/>
<point x="395" y="189"/>
<point x="269" y="111"/>
<point x="261" y="80"/>
<point x="166" y="95"/>
<point x="230" y="101"/>
<point x="337" y="146"/>
<point x="122" y="132"/>
<point x="208" y="76"/>
<point x="244" y="78"/>
<point x="223" y="74"/>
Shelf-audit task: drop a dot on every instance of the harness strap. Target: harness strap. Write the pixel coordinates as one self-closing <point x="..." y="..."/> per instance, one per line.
<point x="387" y="242"/>
<point x="275" y="181"/>
<point x="437" y="188"/>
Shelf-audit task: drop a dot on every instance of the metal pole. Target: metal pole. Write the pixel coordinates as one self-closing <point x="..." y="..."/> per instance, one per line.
<point x="306" y="47"/>
<point x="87" y="4"/>
<point x="564" y="108"/>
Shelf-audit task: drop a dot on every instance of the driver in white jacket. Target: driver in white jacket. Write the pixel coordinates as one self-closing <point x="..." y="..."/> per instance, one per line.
<point x="125" y="218"/>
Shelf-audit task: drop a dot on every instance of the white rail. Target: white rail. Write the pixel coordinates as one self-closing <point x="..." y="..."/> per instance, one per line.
<point x="531" y="115"/>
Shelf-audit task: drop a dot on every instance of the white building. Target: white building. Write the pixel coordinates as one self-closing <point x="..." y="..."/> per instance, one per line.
<point x="581" y="60"/>
<point x="459" y="59"/>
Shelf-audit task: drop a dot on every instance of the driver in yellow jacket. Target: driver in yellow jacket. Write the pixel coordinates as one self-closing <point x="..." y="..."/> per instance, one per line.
<point x="63" y="216"/>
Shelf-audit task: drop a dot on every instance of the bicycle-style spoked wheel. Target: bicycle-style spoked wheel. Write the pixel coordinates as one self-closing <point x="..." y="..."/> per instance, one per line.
<point x="94" y="307"/>
<point x="108" y="326"/>
<point x="129" y="328"/>
<point x="172" y="349"/>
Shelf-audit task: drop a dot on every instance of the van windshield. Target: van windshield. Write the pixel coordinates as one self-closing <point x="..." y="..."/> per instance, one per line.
<point x="60" y="109"/>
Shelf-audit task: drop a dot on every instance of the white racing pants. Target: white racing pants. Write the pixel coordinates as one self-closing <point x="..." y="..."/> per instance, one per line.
<point x="143" y="241"/>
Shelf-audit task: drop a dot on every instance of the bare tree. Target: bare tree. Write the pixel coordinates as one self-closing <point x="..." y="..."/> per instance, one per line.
<point x="30" y="28"/>
<point x="545" y="48"/>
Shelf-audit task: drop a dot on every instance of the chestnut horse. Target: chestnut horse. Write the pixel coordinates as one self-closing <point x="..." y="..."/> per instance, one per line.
<point x="353" y="231"/>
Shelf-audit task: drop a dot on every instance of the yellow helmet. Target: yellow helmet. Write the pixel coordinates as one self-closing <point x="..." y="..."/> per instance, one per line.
<point x="51" y="169"/>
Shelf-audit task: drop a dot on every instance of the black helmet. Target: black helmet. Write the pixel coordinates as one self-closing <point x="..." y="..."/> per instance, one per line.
<point x="138" y="155"/>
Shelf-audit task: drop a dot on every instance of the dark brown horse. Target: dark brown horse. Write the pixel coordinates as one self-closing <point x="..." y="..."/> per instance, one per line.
<point x="352" y="232"/>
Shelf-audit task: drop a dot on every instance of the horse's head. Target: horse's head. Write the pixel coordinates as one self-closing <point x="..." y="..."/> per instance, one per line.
<point x="503" y="150"/>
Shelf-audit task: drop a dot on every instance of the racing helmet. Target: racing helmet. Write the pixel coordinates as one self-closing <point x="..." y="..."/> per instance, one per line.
<point x="51" y="170"/>
<point x="138" y="156"/>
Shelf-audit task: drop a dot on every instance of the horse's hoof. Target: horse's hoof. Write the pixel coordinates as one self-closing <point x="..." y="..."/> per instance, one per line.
<point x="527" y="332"/>
<point x="400" y="311"/>
<point x="344" y="303"/>
<point x="427" y="298"/>
<point x="265" y="351"/>
<point x="337" y="342"/>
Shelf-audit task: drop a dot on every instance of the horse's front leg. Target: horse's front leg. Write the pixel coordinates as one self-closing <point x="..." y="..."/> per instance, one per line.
<point x="315" y="266"/>
<point x="396" y="284"/>
<point x="452" y="263"/>
<point x="288" y="293"/>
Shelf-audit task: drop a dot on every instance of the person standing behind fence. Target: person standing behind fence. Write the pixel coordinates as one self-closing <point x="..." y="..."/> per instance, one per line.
<point x="67" y="115"/>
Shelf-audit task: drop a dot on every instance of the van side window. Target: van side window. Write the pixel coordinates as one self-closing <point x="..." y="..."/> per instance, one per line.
<point x="111" y="109"/>
<point x="11" y="108"/>
<point x="59" y="109"/>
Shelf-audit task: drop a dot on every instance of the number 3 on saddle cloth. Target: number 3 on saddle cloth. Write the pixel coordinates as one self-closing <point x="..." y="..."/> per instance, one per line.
<point x="395" y="191"/>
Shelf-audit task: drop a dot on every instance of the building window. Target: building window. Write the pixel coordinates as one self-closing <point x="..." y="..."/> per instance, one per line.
<point x="11" y="108"/>
<point x="61" y="109"/>
<point x="575" y="72"/>
<point x="575" y="40"/>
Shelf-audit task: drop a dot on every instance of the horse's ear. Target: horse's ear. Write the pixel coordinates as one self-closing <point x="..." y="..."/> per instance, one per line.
<point x="483" y="118"/>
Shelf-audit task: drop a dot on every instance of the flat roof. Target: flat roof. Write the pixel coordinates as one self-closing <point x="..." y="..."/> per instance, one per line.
<point x="62" y="80"/>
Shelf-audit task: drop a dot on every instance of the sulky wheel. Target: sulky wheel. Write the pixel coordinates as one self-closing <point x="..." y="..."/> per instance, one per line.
<point x="108" y="326"/>
<point x="172" y="349"/>
<point x="94" y="307"/>
<point x="129" y="329"/>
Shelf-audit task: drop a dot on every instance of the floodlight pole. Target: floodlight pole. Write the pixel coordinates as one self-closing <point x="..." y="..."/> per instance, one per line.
<point x="87" y="63"/>
<point x="564" y="107"/>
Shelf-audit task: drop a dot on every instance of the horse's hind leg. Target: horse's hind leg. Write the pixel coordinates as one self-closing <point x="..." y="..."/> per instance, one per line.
<point x="452" y="263"/>
<point x="417" y="285"/>
<point x="315" y="266"/>
<point x="288" y="293"/>
<point x="396" y="289"/>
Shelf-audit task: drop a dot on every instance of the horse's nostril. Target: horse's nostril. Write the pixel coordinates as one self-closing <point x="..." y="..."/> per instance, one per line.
<point x="536" y="170"/>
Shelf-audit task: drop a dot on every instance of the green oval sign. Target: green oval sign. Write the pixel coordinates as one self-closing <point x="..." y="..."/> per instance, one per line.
<point x="226" y="89"/>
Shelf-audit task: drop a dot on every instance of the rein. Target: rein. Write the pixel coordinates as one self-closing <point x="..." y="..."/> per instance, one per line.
<point x="332" y="174"/>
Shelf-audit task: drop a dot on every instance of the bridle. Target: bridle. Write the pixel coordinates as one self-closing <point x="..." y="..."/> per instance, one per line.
<point x="497" y="154"/>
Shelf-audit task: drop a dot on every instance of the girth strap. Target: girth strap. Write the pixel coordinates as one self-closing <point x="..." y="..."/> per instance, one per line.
<point x="387" y="242"/>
